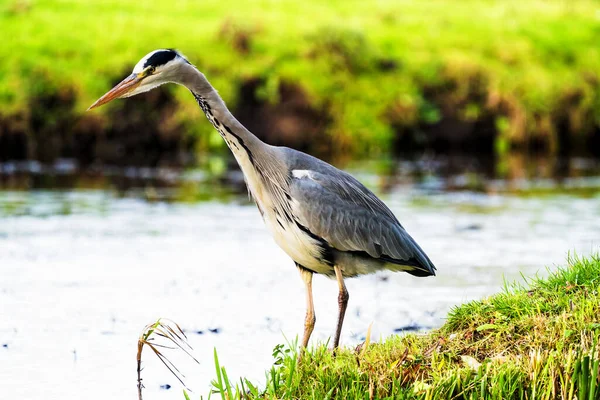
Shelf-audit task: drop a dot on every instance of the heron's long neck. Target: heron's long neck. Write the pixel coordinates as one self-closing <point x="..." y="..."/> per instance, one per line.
<point x="260" y="165"/>
<point x="240" y="140"/>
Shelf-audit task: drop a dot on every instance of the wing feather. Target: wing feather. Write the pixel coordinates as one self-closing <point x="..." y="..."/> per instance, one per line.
<point x="351" y="218"/>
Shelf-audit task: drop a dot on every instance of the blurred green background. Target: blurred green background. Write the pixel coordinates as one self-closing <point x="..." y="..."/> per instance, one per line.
<point x="342" y="80"/>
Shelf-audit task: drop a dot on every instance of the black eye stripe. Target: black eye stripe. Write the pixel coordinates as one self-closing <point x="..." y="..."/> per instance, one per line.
<point x="160" y="58"/>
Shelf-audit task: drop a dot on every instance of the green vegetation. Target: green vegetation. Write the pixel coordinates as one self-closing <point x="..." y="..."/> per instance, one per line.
<point x="532" y="341"/>
<point x="520" y="70"/>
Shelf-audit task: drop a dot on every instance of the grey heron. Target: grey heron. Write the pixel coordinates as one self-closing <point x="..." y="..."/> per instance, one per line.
<point x="322" y="217"/>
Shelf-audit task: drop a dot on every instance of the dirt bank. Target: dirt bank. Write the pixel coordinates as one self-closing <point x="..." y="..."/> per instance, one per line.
<point x="458" y="114"/>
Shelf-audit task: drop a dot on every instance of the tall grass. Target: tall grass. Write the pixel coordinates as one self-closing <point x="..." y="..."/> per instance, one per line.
<point x="537" y="340"/>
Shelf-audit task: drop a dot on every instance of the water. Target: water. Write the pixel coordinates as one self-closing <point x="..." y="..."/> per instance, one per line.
<point x="83" y="271"/>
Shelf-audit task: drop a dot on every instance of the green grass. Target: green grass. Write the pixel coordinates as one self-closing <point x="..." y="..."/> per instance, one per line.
<point x="537" y="340"/>
<point x="378" y="69"/>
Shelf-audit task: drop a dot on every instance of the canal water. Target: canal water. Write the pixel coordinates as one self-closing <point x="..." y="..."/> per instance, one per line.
<point x="84" y="268"/>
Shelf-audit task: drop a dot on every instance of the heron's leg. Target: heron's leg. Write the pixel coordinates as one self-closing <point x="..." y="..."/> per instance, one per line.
<point x="309" y="322"/>
<point x="343" y="303"/>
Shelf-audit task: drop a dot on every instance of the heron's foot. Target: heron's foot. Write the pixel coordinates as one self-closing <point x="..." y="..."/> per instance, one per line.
<point x="334" y="351"/>
<point x="300" y="355"/>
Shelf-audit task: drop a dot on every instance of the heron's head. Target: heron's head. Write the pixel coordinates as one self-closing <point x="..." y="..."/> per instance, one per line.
<point x="155" y="69"/>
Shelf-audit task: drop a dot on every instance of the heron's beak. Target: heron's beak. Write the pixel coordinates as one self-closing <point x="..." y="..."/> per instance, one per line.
<point x="124" y="87"/>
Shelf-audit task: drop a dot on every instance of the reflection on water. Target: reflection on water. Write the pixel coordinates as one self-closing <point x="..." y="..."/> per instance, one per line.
<point x="84" y="268"/>
<point x="220" y="179"/>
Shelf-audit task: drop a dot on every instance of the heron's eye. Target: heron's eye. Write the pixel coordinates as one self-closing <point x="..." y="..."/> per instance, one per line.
<point x="147" y="71"/>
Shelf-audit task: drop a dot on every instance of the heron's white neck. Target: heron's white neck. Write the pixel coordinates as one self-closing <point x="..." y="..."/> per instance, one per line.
<point x="253" y="156"/>
<point x="236" y="136"/>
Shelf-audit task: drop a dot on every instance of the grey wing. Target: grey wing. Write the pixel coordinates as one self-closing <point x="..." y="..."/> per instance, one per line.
<point x="351" y="218"/>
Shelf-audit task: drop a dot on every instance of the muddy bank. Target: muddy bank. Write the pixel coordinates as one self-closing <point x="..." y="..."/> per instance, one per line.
<point x="140" y="132"/>
<point x="464" y="113"/>
<point x="457" y="114"/>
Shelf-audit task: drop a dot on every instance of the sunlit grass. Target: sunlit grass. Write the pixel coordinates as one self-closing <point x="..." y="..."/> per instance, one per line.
<point x="370" y="65"/>
<point x="534" y="340"/>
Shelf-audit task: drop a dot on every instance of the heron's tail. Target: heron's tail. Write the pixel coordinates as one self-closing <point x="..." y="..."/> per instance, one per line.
<point x="418" y="264"/>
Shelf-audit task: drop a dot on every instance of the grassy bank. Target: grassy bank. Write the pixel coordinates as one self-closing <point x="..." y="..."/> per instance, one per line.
<point x="365" y="75"/>
<point x="537" y="340"/>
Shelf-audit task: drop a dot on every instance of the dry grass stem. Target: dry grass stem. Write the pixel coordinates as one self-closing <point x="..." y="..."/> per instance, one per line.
<point x="171" y="332"/>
